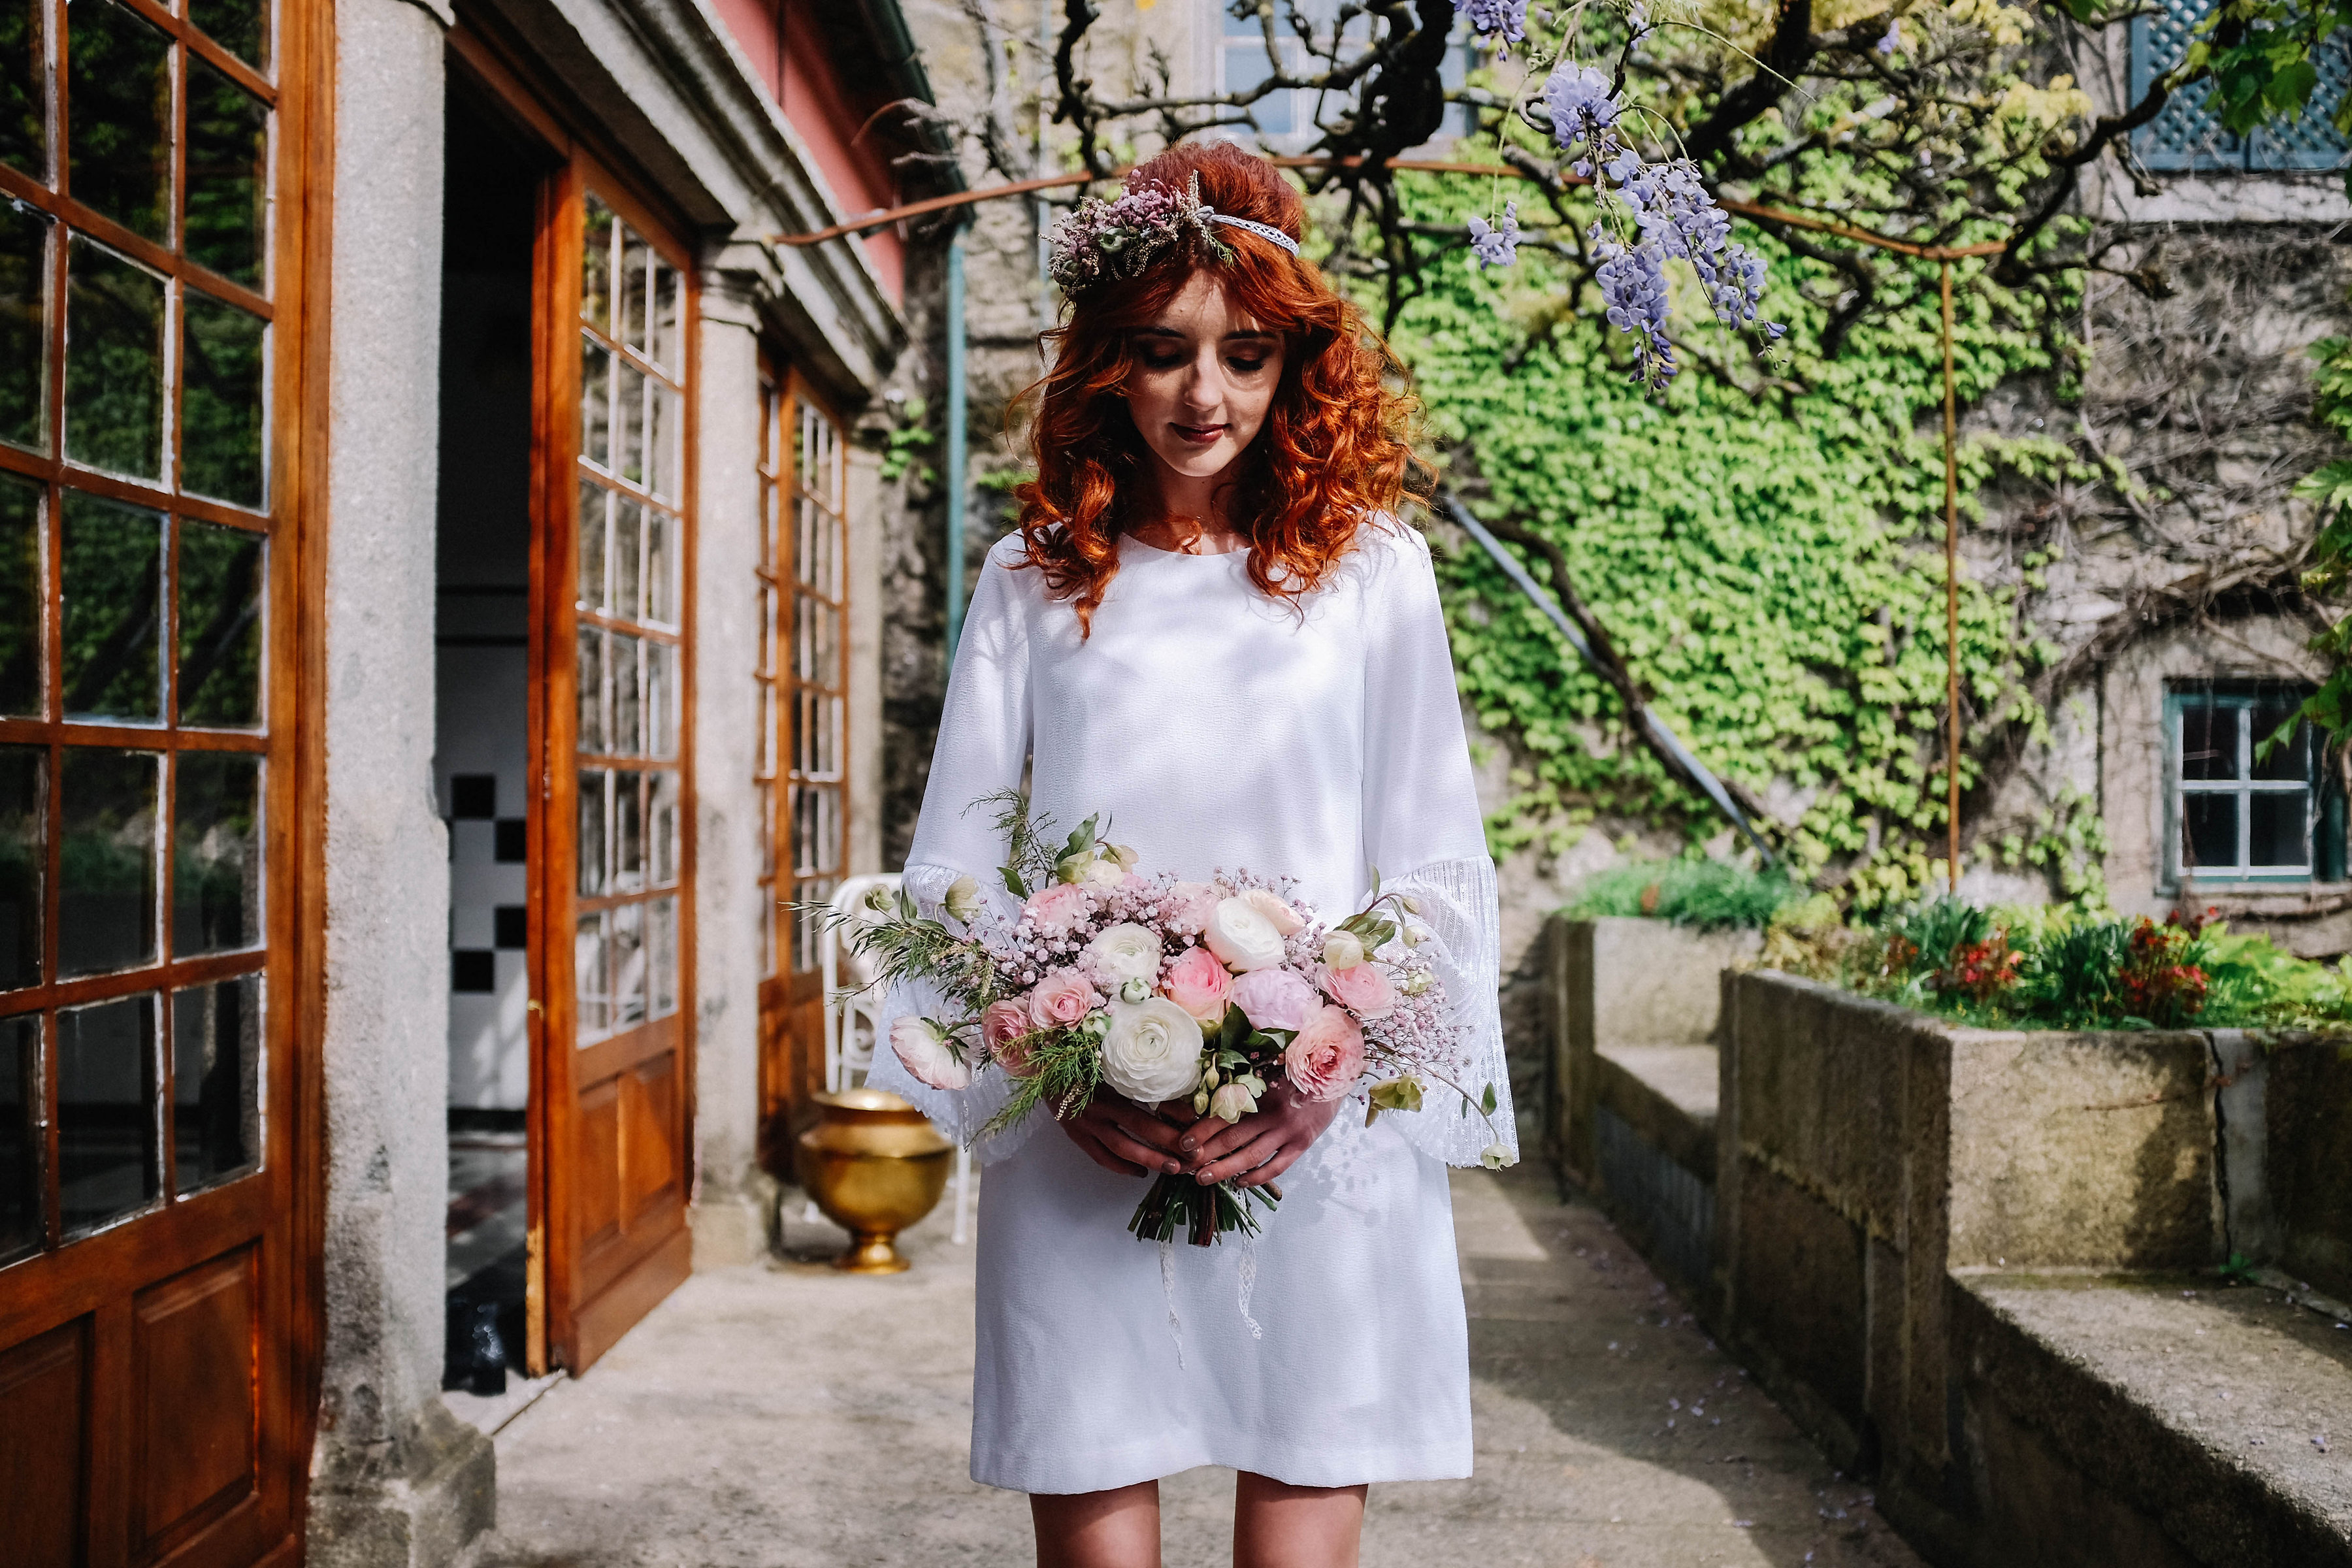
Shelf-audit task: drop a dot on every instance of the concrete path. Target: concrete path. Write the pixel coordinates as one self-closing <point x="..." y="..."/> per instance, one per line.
<point x="785" y="1417"/>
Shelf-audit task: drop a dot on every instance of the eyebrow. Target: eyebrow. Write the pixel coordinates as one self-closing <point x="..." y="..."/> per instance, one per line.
<point x="1172" y="332"/>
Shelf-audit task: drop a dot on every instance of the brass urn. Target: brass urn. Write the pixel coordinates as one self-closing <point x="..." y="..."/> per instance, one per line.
<point x="874" y="1166"/>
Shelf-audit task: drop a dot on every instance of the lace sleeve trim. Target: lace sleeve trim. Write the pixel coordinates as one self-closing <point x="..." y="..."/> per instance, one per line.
<point x="1459" y="910"/>
<point x="957" y="1113"/>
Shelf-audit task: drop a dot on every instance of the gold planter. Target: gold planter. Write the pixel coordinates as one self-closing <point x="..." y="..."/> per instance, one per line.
<point x="874" y="1166"/>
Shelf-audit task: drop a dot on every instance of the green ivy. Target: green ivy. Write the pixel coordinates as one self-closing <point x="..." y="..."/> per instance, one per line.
<point x="1765" y="548"/>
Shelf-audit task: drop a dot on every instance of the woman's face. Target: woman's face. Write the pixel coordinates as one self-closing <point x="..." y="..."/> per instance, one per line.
<point x="1202" y="378"/>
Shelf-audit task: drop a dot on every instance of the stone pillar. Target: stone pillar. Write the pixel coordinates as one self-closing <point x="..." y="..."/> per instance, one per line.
<point x="864" y="583"/>
<point x="397" y="1480"/>
<point x="731" y="1193"/>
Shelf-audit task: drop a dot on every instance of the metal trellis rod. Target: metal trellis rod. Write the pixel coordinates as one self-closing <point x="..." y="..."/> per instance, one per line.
<point x="1944" y="254"/>
<point x="1660" y="735"/>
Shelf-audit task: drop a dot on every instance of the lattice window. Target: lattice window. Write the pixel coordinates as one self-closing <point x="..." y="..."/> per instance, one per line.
<point x="2243" y="812"/>
<point x="2187" y="136"/>
<point x="803" y="674"/>
<point x="632" y="533"/>
<point x="136" y="307"/>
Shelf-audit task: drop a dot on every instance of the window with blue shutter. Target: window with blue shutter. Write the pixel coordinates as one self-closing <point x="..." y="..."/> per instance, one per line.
<point x="2188" y="136"/>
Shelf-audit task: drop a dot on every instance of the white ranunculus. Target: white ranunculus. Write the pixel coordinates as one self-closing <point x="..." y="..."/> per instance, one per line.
<point x="1152" y="1051"/>
<point x="1276" y="907"/>
<point x="1123" y="952"/>
<point x="1241" y="938"/>
<point x="1343" y="950"/>
<point x="922" y="1045"/>
<point x="1104" y="873"/>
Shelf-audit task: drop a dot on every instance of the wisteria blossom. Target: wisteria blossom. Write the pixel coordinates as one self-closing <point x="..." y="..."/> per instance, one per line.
<point x="1504" y="19"/>
<point x="1496" y="247"/>
<point x="1892" y="41"/>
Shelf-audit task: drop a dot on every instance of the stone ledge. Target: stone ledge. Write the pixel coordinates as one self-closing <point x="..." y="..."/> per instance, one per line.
<point x="2192" y="1407"/>
<point x="1667" y="1095"/>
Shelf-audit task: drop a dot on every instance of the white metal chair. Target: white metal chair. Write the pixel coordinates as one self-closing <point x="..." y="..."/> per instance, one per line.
<point x="853" y="1016"/>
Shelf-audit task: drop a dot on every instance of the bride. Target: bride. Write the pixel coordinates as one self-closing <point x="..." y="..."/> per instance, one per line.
<point x="1210" y="628"/>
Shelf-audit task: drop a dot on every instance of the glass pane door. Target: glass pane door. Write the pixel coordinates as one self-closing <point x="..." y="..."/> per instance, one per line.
<point x="615" y="1136"/>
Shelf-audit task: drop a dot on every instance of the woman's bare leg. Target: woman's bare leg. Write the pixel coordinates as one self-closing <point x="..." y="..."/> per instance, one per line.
<point x="1115" y="1529"/>
<point x="1281" y="1526"/>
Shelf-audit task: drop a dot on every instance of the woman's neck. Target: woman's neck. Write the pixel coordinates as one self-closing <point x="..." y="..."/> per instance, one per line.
<point x="1191" y="516"/>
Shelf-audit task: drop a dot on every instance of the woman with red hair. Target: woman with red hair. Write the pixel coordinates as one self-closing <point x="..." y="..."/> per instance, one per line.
<point x="1212" y="627"/>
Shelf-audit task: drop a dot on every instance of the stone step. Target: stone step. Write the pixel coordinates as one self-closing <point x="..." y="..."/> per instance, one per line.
<point x="2153" y="1419"/>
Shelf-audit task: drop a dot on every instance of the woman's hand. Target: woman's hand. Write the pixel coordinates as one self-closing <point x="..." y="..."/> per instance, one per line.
<point x="1120" y="1135"/>
<point x="1261" y="1145"/>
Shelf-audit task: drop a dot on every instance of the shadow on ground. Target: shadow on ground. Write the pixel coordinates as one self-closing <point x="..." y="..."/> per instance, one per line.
<point x="786" y="1417"/>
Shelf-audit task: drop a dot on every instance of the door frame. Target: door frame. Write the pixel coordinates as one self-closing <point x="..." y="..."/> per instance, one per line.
<point x="560" y="1329"/>
<point x="790" y="1060"/>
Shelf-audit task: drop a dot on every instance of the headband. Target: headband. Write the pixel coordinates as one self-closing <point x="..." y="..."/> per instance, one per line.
<point x="1103" y="241"/>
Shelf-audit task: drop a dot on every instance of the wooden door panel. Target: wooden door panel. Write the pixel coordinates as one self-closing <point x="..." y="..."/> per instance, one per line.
<point x="193" y="1365"/>
<point x="598" y="1181"/>
<point x="44" y="1445"/>
<point x="649" y="1163"/>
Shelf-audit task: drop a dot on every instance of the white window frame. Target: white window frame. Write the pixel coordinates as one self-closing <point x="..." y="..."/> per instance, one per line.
<point x="2243" y="787"/>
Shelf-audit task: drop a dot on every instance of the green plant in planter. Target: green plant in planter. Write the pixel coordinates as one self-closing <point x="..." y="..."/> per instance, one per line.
<point x="1709" y="895"/>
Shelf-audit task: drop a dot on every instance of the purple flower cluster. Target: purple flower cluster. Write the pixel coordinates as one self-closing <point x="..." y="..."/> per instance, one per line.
<point x="1633" y="286"/>
<point x="1491" y="246"/>
<point x="1102" y="241"/>
<point x="1583" y="108"/>
<point x="1505" y="18"/>
<point x="1673" y="214"/>
<point x="1671" y="208"/>
<point x="1892" y="41"/>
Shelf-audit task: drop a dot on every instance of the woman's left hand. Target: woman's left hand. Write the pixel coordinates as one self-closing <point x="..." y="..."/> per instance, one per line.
<point x="1263" y="1144"/>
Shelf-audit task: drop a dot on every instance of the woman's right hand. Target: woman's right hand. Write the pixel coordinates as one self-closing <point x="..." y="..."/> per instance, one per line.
<point x="1120" y="1135"/>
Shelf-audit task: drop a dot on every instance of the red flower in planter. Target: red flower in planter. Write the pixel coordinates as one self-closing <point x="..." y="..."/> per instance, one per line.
<point x="1979" y="970"/>
<point x="2156" y="983"/>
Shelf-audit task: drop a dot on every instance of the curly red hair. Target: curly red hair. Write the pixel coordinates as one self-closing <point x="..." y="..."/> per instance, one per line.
<point x="1335" y="450"/>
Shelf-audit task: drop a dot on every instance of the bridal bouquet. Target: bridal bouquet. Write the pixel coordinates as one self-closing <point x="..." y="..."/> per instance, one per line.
<point x="1165" y="990"/>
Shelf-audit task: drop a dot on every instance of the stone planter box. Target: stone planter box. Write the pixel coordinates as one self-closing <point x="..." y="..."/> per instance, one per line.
<point x="1969" y="1262"/>
<point x="1630" y="1110"/>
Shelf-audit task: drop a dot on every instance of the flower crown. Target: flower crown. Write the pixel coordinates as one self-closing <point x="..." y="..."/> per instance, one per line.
<point x="1101" y="242"/>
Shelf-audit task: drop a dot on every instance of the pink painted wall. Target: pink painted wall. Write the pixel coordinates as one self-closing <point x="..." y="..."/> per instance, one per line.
<point x="798" y="75"/>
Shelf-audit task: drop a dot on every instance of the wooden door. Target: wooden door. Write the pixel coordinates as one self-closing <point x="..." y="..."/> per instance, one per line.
<point x="158" y="1316"/>
<point x="611" y="1097"/>
<point x="803" y="756"/>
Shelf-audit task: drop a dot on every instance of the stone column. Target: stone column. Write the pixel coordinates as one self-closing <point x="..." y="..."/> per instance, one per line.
<point x="865" y="583"/>
<point x="731" y="1193"/>
<point x="397" y="1480"/>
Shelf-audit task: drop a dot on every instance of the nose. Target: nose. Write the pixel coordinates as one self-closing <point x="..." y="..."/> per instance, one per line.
<point x="1204" y="387"/>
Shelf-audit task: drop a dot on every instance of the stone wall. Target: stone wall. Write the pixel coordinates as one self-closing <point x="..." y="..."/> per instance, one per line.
<point x="1974" y="1263"/>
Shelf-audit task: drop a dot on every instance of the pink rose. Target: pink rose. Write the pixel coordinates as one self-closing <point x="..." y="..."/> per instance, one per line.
<point x="1327" y="1056"/>
<point x="1059" y="907"/>
<point x="1188" y="906"/>
<point x="1198" y="983"/>
<point x="1362" y="989"/>
<point x="1003" y="1024"/>
<point x="1274" y="998"/>
<point x="1062" y="998"/>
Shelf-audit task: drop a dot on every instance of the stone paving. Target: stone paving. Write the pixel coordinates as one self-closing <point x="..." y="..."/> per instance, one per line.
<point x="781" y="1416"/>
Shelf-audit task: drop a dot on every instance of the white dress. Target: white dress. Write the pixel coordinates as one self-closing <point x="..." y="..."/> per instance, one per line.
<point x="1217" y="727"/>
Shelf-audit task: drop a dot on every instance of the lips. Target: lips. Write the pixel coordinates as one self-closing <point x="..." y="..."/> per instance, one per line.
<point x="1200" y="435"/>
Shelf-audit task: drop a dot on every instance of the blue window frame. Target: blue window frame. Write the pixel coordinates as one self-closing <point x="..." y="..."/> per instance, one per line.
<point x="2237" y="817"/>
<point x="2187" y="136"/>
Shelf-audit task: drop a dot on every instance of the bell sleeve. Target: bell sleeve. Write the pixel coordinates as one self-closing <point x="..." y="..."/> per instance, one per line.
<point x="1425" y="833"/>
<point x="982" y="748"/>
